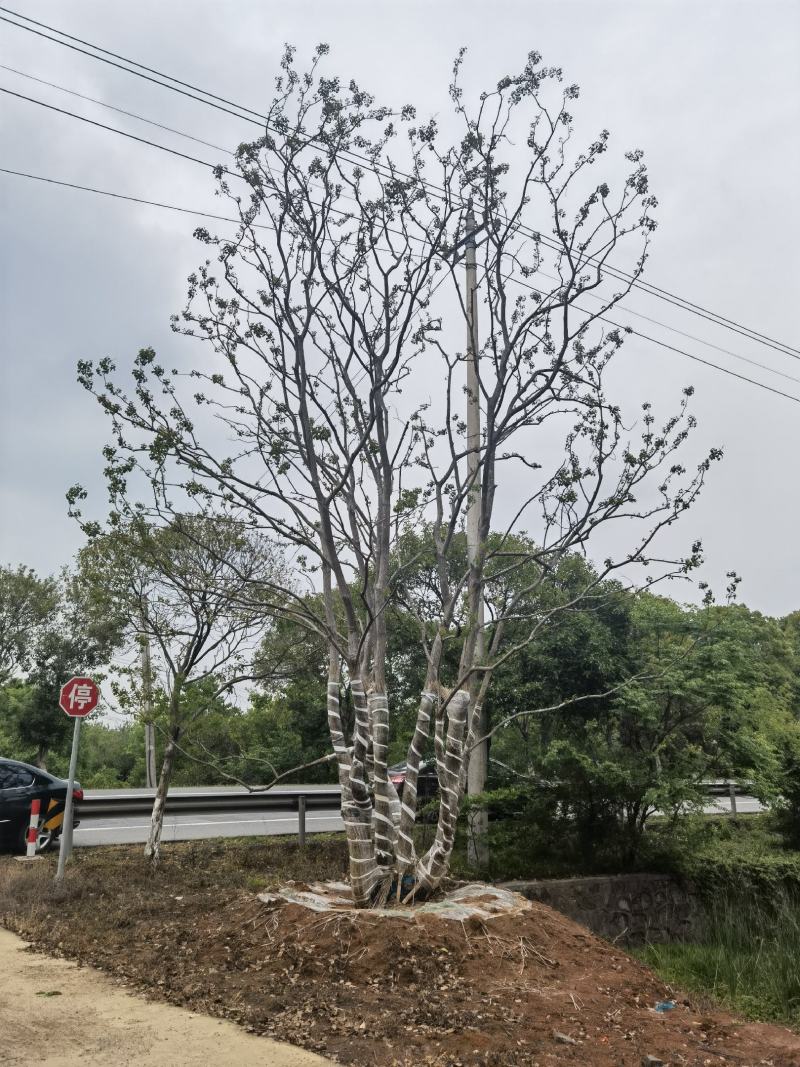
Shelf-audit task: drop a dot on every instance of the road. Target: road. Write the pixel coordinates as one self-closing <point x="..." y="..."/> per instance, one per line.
<point x="132" y="829"/>
<point x="744" y="806"/>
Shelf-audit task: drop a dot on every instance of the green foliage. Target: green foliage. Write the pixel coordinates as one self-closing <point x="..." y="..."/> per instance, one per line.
<point x="692" y="695"/>
<point x="723" y="857"/>
<point x="749" y="882"/>
<point x="529" y="837"/>
<point x="111" y="758"/>
<point x="61" y="639"/>
<point x="788" y="800"/>
<point x="27" y="604"/>
<point x="668" y="697"/>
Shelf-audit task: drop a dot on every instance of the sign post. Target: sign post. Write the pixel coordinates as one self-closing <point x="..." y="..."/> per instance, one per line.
<point x="78" y="699"/>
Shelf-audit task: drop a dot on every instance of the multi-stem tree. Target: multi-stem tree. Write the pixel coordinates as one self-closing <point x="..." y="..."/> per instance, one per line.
<point x="335" y="320"/>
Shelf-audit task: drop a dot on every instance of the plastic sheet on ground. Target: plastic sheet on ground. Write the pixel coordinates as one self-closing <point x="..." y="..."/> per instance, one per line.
<point x="476" y="900"/>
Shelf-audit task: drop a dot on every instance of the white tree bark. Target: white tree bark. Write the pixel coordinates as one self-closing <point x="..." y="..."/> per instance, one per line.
<point x="152" y="849"/>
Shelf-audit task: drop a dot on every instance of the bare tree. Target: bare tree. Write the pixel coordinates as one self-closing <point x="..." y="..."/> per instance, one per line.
<point x="179" y="588"/>
<point x="335" y="317"/>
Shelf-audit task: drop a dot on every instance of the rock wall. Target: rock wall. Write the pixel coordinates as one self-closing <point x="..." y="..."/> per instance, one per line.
<point x="628" y="909"/>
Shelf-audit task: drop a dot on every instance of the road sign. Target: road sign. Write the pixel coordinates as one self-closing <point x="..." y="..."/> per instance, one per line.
<point x="78" y="697"/>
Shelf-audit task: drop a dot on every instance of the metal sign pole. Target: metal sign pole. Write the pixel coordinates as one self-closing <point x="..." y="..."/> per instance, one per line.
<point x="66" y="829"/>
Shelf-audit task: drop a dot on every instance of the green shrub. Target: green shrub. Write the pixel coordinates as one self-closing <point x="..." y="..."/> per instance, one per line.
<point x="727" y="859"/>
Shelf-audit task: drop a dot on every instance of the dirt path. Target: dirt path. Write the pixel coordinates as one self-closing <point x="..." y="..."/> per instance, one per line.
<point x="56" y="1014"/>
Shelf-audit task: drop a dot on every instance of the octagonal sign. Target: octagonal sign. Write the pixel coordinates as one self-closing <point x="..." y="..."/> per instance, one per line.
<point x="78" y="697"/>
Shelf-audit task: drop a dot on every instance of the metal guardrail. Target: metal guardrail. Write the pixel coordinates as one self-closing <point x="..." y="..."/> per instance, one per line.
<point x="140" y="802"/>
<point x="723" y="789"/>
<point x="299" y="800"/>
<point x="240" y="800"/>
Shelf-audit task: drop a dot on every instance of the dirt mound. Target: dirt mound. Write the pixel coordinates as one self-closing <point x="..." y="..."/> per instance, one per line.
<point x="516" y="990"/>
<point x="528" y="988"/>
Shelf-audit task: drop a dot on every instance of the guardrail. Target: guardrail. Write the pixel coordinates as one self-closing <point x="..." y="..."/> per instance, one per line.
<point x="140" y="803"/>
<point x="723" y="789"/>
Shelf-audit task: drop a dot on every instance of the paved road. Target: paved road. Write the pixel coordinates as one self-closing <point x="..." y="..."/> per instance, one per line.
<point x="744" y="806"/>
<point x="131" y="829"/>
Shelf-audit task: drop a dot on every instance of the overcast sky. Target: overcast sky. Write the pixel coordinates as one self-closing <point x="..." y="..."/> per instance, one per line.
<point x="710" y="91"/>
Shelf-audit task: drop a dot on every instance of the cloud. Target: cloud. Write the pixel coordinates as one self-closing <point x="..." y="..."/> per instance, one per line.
<point x="711" y="94"/>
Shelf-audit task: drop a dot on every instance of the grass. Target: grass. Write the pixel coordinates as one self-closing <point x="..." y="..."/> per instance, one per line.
<point x="749" y="958"/>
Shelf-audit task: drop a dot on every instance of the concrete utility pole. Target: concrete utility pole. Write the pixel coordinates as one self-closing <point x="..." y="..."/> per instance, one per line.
<point x="147" y="710"/>
<point x="478" y="848"/>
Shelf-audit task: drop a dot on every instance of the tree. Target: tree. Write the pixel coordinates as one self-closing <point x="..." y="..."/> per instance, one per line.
<point x="27" y="603"/>
<point x="195" y="588"/>
<point x="70" y="638"/>
<point x="332" y="370"/>
<point x="707" y="699"/>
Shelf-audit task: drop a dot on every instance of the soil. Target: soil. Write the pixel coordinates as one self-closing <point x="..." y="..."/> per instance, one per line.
<point x="530" y="990"/>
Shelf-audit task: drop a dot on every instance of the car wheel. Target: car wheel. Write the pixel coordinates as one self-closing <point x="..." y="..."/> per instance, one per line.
<point x="44" y="840"/>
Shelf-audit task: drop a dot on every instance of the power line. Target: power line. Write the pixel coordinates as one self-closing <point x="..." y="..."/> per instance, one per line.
<point x="211" y="166"/>
<point x="153" y="144"/>
<point x="132" y="199"/>
<point x="181" y="133"/>
<point x="118" y="110"/>
<point x="705" y="362"/>
<point x="687" y="305"/>
<point x="125" y="59"/>
<point x="249" y="115"/>
<point x="674" y="329"/>
<point x="172" y="151"/>
<point x="113" y="129"/>
<point x="119" y="66"/>
<point x="671" y="348"/>
<point x="222" y="218"/>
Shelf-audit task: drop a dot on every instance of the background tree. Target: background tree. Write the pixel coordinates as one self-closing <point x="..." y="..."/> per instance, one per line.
<point x="343" y="390"/>
<point x="197" y="589"/>
<point x="709" y="698"/>
<point x="27" y="603"/>
<point x="66" y="636"/>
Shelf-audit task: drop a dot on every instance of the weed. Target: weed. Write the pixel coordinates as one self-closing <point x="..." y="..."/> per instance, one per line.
<point x="748" y="956"/>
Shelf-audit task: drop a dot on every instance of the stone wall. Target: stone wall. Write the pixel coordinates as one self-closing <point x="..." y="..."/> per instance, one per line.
<point x="628" y="909"/>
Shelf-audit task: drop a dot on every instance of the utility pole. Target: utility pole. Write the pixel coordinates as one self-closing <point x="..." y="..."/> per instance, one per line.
<point x="478" y="848"/>
<point x="147" y="710"/>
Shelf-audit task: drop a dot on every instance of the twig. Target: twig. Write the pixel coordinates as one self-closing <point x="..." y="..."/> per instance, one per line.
<point x="240" y="781"/>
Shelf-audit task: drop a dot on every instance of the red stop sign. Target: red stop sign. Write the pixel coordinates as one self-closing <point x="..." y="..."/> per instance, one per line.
<point x="78" y="697"/>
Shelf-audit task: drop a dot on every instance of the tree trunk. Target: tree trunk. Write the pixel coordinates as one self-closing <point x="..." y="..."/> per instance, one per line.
<point x="356" y="803"/>
<point x="152" y="849"/>
<point x="477" y="771"/>
<point x="449" y="759"/>
<point x="150" y="755"/>
<point x="379" y="827"/>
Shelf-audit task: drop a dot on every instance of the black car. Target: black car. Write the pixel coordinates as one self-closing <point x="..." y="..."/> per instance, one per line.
<point x="20" y="783"/>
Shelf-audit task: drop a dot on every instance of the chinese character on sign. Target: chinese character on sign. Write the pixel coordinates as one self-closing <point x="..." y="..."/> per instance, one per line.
<point x="79" y="696"/>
